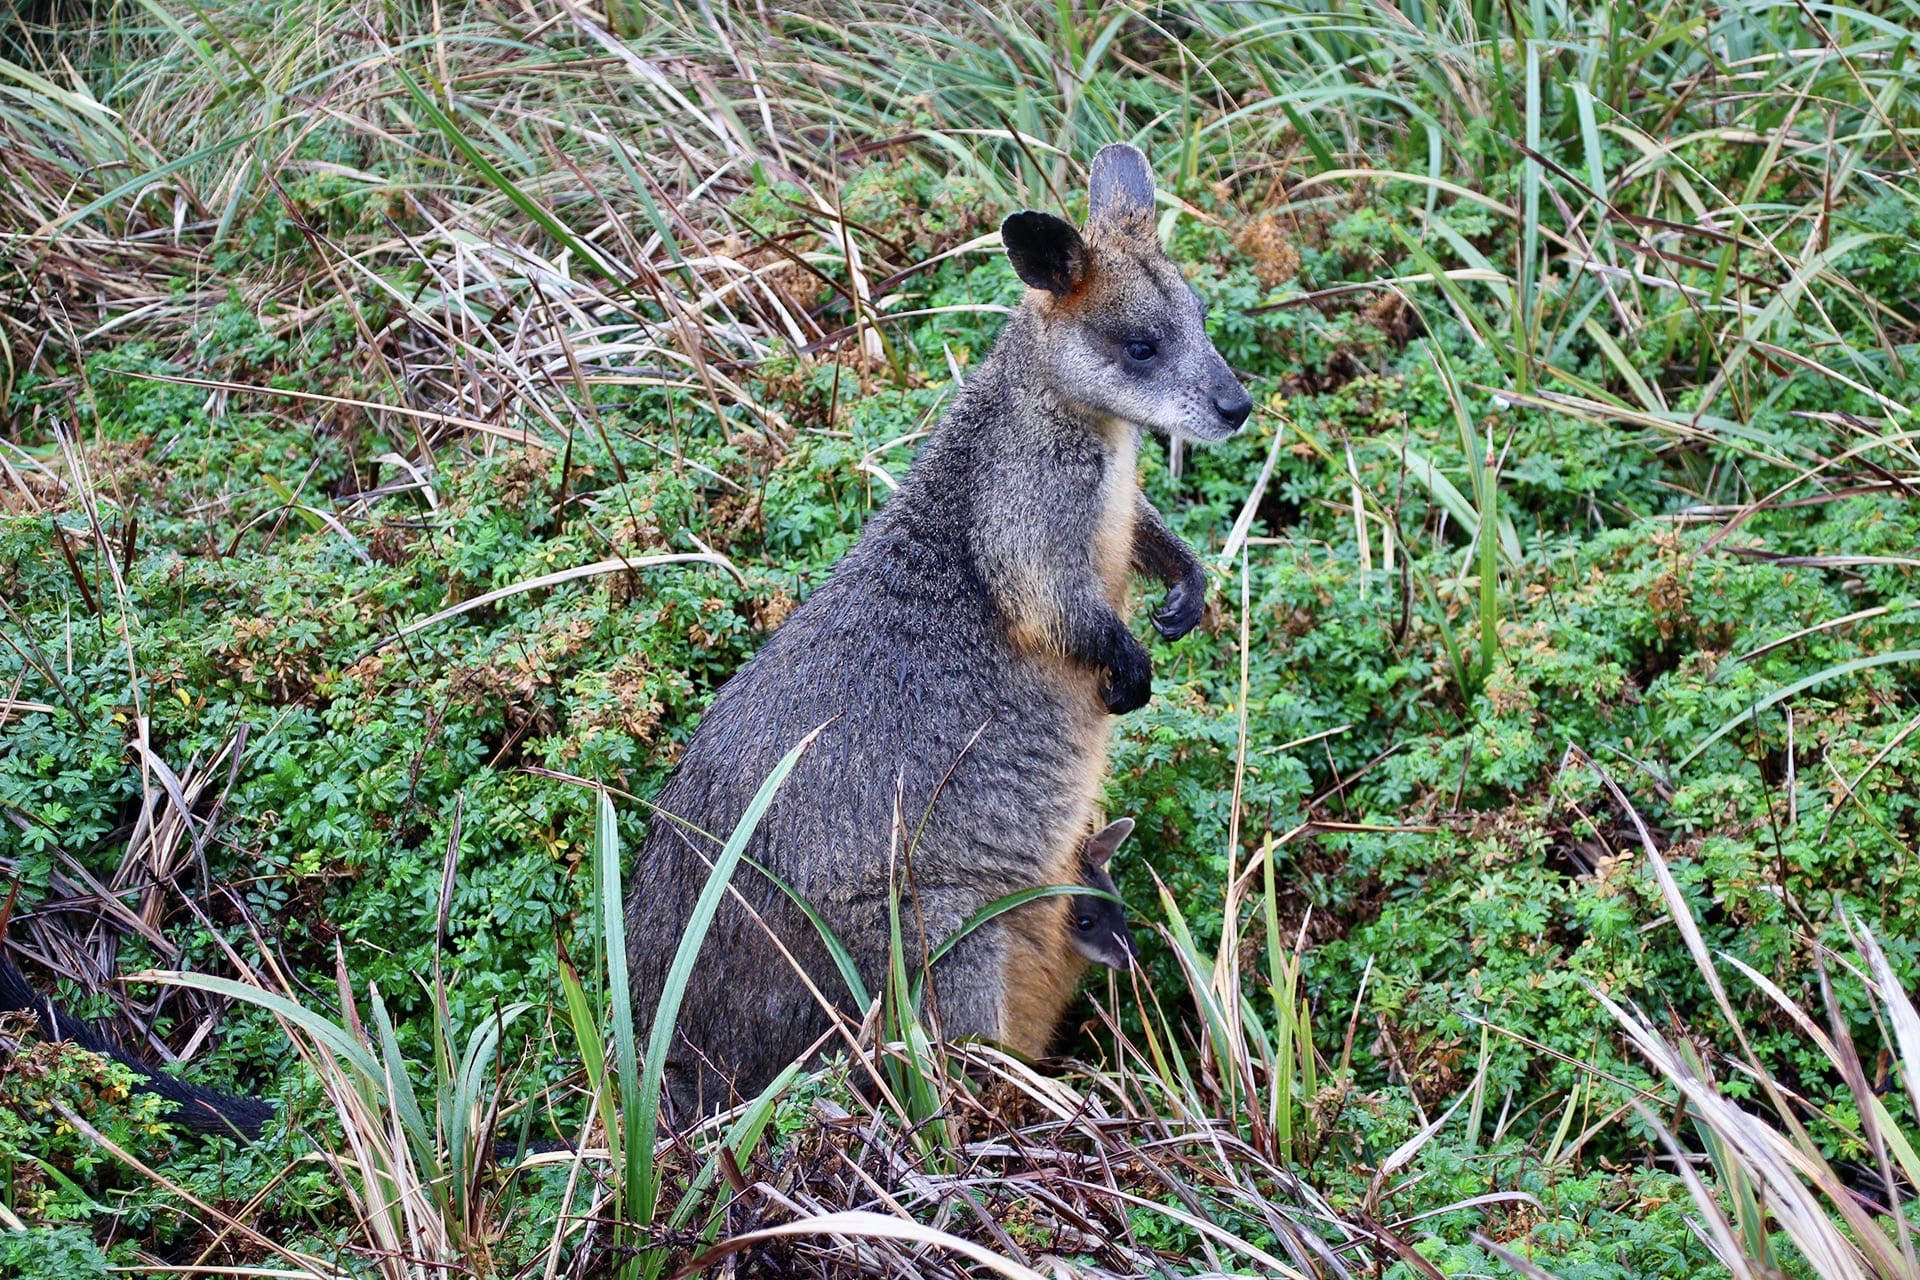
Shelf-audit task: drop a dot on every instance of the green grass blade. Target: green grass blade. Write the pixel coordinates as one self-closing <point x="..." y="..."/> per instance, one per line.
<point x="1798" y="686"/>
<point x="836" y="950"/>
<point x="1489" y="334"/>
<point x="630" y="1129"/>
<point x="1649" y="399"/>
<point x="586" y="1027"/>
<point x="1443" y="490"/>
<point x="741" y="1138"/>
<point x="1481" y="466"/>
<point x="1590" y="139"/>
<point x="83" y="105"/>
<point x="1532" y="178"/>
<point x="1282" y="979"/>
<point x="1322" y="153"/>
<point x="148" y="178"/>
<point x="324" y="1032"/>
<point x="1466" y="681"/>
<point x="913" y="1072"/>
<point x="641" y="1133"/>
<point x="405" y="1106"/>
<point x="506" y="186"/>
<point x="1198" y="972"/>
<point x="1001" y="905"/>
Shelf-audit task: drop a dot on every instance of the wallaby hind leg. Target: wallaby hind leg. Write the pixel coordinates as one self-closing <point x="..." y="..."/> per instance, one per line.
<point x="969" y="986"/>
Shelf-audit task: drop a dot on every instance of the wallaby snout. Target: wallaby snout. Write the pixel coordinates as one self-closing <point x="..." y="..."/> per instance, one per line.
<point x="1231" y="401"/>
<point x="1123" y="335"/>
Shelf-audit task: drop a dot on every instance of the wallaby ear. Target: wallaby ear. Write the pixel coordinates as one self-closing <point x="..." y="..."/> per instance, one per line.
<point x="1045" y="251"/>
<point x="1120" y="187"/>
<point x="1104" y="843"/>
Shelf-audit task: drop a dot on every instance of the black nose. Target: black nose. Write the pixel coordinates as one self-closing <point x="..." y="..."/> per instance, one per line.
<point x="1233" y="407"/>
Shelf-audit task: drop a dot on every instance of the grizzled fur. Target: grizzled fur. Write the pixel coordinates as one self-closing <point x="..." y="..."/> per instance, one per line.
<point x="963" y="658"/>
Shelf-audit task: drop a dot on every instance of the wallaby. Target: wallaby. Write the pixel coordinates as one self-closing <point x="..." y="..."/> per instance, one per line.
<point x="963" y="658"/>
<point x="1099" y="925"/>
<point x="1050" y="950"/>
<point x="190" y="1106"/>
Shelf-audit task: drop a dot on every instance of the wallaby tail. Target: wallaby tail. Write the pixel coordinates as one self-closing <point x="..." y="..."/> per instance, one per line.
<point x="191" y="1106"/>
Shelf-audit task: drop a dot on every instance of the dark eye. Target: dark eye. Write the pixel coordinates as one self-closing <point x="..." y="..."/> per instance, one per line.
<point x="1140" y="350"/>
<point x="1085" y="923"/>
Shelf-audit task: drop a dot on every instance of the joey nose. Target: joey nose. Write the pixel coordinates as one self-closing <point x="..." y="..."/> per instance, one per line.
<point x="1233" y="406"/>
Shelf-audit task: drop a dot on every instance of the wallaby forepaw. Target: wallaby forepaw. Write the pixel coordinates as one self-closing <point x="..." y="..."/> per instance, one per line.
<point x="1129" y="682"/>
<point x="1185" y="605"/>
<point x="1124" y="697"/>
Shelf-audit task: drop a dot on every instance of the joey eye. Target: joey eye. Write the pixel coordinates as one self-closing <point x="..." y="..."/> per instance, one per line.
<point x="1140" y="350"/>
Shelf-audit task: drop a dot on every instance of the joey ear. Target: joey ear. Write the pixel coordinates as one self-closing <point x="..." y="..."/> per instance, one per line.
<point x="1104" y="843"/>
<point x="1120" y="186"/>
<point x="1046" y="252"/>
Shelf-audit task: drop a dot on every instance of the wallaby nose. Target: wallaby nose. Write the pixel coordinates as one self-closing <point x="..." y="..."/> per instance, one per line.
<point x="1233" y="406"/>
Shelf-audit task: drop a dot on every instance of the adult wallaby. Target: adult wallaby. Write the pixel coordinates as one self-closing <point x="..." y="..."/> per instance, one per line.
<point x="963" y="658"/>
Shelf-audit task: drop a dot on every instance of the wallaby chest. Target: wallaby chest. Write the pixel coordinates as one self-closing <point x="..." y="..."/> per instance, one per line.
<point x="1115" y="513"/>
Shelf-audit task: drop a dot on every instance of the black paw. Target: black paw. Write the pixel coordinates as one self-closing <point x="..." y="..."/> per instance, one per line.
<point x="1186" y="602"/>
<point x="1129" y="677"/>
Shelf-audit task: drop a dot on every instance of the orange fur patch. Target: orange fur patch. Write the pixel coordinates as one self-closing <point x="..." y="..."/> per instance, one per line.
<point x="1043" y="969"/>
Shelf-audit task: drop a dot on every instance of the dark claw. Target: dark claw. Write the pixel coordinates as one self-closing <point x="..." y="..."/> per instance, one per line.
<point x="1186" y="602"/>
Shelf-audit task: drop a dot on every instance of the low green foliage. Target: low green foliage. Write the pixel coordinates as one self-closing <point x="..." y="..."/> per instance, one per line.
<point x="51" y="1253"/>
<point x="46" y="1161"/>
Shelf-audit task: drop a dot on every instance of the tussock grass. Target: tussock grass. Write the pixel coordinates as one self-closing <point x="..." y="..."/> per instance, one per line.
<point x="1772" y="1163"/>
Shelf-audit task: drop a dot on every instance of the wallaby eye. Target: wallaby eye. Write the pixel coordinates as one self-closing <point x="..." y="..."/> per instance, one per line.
<point x="1085" y="924"/>
<point x="1140" y="350"/>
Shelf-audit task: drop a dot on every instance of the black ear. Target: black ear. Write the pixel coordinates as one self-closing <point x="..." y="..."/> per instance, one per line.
<point x="1045" y="251"/>
<point x="1104" y="843"/>
<point x="1120" y="187"/>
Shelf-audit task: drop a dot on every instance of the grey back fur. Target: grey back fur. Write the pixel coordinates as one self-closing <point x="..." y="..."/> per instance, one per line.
<point x="964" y="658"/>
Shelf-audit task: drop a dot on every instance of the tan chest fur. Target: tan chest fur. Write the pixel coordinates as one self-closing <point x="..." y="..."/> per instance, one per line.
<point x="1119" y="499"/>
<point x="1043" y="968"/>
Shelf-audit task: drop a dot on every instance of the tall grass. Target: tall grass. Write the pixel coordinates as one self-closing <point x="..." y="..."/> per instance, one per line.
<point x="1776" y="1187"/>
<point x="596" y="226"/>
<point x="432" y="1186"/>
<point x="421" y="1182"/>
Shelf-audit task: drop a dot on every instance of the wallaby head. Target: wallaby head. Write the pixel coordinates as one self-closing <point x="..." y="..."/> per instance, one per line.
<point x="1121" y="333"/>
<point x="1099" y="925"/>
